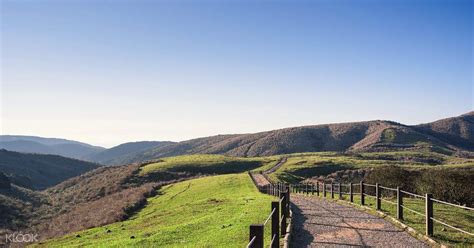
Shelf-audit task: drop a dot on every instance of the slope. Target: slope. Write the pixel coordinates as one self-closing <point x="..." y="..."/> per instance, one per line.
<point x="221" y="207"/>
<point x="458" y="131"/>
<point x="342" y="137"/>
<point x="41" y="171"/>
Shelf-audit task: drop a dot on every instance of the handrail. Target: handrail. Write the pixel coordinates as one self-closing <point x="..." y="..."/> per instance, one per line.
<point x="415" y="195"/>
<point x="273" y="240"/>
<point x="387" y="201"/>
<point x="270" y="216"/>
<point x="336" y="188"/>
<point x="411" y="210"/>
<point x="451" y="204"/>
<point x="455" y="228"/>
<point x="387" y="188"/>
<point x="251" y="242"/>
<point x="370" y="195"/>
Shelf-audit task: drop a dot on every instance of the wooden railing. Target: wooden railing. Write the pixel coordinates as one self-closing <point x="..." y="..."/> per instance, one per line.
<point x="278" y="217"/>
<point x="337" y="188"/>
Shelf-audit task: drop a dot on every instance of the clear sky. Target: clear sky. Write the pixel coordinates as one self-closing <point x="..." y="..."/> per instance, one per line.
<point x="107" y="72"/>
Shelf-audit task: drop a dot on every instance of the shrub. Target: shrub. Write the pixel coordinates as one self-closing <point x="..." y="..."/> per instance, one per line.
<point x="448" y="185"/>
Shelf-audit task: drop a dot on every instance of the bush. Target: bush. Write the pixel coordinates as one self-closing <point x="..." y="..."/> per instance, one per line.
<point x="448" y="185"/>
<point x="393" y="176"/>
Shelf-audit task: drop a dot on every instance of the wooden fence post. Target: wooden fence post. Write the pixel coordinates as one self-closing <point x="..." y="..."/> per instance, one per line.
<point x="351" y="192"/>
<point x="377" y="197"/>
<point x="287" y="207"/>
<point x="324" y="189"/>
<point x="317" y="188"/>
<point x="256" y="230"/>
<point x="429" y="214"/>
<point x="312" y="188"/>
<point x="332" y="190"/>
<point x="399" y="204"/>
<point x="340" y="191"/>
<point x="276" y="224"/>
<point x="362" y="201"/>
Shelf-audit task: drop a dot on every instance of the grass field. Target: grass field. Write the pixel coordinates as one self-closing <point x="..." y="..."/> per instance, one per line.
<point x="206" y="212"/>
<point x="209" y="164"/>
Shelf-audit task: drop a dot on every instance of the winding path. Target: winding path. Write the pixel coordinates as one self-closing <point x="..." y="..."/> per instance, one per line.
<point x="322" y="223"/>
<point x="261" y="179"/>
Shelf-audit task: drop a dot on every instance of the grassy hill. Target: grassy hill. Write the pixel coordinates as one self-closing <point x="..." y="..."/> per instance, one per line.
<point x="301" y="166"/>
<point x="110" y="194"/>
<point x="206" y="212"/>
<point x="447" y="136"/>
<point x="40" y="171"/>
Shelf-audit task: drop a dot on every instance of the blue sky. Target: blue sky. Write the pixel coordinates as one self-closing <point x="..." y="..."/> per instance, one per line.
<point x="107" y="72"/>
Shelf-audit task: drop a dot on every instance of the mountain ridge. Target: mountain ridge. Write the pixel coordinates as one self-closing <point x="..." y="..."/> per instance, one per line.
<point x="376" y="135"/>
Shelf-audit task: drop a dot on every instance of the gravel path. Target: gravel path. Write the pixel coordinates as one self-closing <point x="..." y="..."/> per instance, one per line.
<point x="261" y="180"/>
<point x="321" y="223"/>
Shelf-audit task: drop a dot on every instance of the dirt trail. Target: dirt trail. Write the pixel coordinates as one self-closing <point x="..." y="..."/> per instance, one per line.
<point x="322" y="223"/>
<point x="261" y="179"/>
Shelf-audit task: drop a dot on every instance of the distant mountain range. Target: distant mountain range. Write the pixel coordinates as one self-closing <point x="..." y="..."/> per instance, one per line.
<point x="62" y="147"/>
<point x="449" y="135"/>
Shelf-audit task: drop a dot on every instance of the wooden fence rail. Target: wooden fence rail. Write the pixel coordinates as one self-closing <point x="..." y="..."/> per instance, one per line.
<point x="278" y="217"/>
<point x="400" y="195"/>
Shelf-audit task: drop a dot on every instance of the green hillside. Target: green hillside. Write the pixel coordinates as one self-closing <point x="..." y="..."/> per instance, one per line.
<point x="207" y="164"/>
<point x="206" y="212"/>
<point x="301" y="166"/>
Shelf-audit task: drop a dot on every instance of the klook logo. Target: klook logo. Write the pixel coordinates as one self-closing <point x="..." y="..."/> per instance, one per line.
<point x="19" y="237"/>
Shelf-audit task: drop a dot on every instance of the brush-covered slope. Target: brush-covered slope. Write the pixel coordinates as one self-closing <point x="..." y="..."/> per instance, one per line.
<point x="122" y="153"/>
<point x="458" y="131"/>
<point x="343" y="137"/>
<point x="211" y="211"/>
<point x="107" y="194"/>
<point x="41" y="171"/>
<point x="62" y="147"/>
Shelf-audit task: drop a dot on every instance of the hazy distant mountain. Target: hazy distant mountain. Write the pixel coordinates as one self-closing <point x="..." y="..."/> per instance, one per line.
<point x="33" y="144"/>
<point x="448" y="135"/>
<point x="125" y="152"/>
<point x="39" y="171"/>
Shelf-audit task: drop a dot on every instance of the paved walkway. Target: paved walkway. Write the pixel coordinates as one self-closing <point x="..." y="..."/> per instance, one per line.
<point x="322" y="223"/>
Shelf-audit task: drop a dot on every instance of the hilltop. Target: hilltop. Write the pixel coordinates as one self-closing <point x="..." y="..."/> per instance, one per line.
<point x="447" y="136"/>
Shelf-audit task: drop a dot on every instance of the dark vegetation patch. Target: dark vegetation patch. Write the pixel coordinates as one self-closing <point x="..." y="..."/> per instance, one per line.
<point x="37" y="171"/>
<point x="452" y="185"/>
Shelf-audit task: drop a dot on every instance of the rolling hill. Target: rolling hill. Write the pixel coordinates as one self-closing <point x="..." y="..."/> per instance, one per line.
<point x="62" y="147"/>
<point x="38" y="171"/>
<point x="446" y="136"/>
